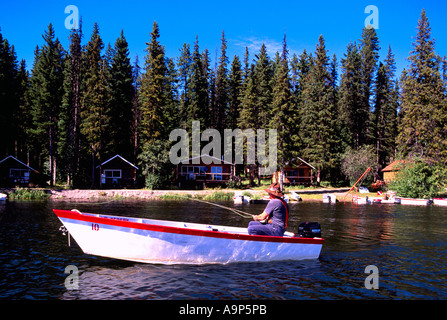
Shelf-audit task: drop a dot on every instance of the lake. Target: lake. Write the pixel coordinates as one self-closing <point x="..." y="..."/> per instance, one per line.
<point x="405" y="245"/>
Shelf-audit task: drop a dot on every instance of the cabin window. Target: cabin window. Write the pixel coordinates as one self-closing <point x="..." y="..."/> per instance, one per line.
<point x="19" y="175"/>
<point x="192" y="172"/>
<point x="215" y="170"/>
<point x="110" y="173"/>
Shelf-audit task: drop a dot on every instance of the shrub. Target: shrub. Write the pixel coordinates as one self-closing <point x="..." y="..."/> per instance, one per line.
<point x="355" y="162"/>
<point x="419" y="179"/>
<point x="28" y="194"/>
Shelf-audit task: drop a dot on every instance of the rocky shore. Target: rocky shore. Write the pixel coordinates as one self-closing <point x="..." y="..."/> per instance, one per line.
<point x="87" y="194"/>
<point x="78" y="194"/>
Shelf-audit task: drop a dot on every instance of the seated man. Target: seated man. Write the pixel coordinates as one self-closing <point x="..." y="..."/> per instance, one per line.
<point x="275" y="214"/>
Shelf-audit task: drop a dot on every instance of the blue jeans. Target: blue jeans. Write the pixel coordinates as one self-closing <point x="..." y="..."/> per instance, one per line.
<point x="257" y="228"/>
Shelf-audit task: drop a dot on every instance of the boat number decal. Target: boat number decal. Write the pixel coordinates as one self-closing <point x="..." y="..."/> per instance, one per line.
<point x="95" y="226"/>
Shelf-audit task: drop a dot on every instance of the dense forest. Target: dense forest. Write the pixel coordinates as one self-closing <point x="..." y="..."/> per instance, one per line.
<point x="80" y="105"/>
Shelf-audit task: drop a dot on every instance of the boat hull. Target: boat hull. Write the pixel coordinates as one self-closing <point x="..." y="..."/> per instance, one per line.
<point x="440" y="201"/>
<point x="168" y="242"/>
<point x="414" y="202"/>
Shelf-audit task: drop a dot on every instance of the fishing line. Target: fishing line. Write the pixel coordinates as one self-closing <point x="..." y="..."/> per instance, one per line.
<point x="236" y="211"/>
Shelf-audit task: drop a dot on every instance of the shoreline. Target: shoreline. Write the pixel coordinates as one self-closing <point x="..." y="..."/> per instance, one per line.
<point x="143" y="194"/>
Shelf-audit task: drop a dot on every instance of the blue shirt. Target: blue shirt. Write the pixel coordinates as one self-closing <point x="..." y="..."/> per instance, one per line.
<point x="277" y="212"/>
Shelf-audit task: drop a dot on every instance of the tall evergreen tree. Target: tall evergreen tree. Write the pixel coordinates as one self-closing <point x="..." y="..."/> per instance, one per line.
<point x="235" y="92"/>
<point x="136" y="107"/>
<point x="423" y="127"/>
<point x="281" y="113"/>
<point x="385" y="111"/>
<point x="156" y="114"/>
<point x="369" y="51"/>
<point x="184" y="70"/>
<point x="22" y="118"/>
<point x="197" y="90"/>
<point x="96" y="100"/>
<point x="152" y="124"/>
<point x="122" y="91"/>
<point x="263" y="79"/>
<point x="8" y="97"/>
<point x="70" y="148"/>
<point x="221" y="107"/>
<point x="249" y="115"/>
<point x="353" y="117"/>
<point x="47" y="92"/>
<point x="318" y="114"/>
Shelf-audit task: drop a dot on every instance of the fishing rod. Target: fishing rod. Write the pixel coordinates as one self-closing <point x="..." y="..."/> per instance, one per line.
<point x="236" y="211"/>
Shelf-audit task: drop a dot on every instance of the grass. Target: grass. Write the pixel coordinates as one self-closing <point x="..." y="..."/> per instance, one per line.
<point x="219" y="196"/>
<point x="28" y="194"/>
<point x="215" y="196"/>
<point x="175" y="196"/>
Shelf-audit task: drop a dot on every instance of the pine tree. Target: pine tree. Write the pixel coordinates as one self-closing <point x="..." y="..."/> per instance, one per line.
<point x="135" y="107"/>
<point x="8" y="97"/>
<point x="152" y="124"/>
<point x="122" y="91"/>
<point x="156" y="110"/>
<point x="209" y="82"/>
<point x="235" y="91"/>
<point x="69" y="147"/>
<point x="221" y="107"/>
<point x="184" y="70"/>
<point x="197" y="91"/>
<point x="299" y="68"/>
<point x="47" y="91"/>
<point x="96" y="100"/>
<point x="423" y="126"/>
<point x="352" y="115"/>
<point x="263" y="79"/>
<point x="249" y="115"/>
<point x="385" y="111"/>
<point x="318" y="114"/>
<point x="281" y="113"/>
<point x="172" y="96"/>
<point x="22" y="118"/>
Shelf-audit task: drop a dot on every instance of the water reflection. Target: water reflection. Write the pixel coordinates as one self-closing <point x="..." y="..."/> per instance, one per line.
<point x="407" y="244"/>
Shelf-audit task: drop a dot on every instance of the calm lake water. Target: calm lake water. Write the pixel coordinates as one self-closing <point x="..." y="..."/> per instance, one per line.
<point x="407" y="244"/>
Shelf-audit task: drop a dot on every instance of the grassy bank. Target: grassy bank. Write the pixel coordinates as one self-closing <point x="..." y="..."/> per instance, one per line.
<point x="215" y="196"/>
<point x="28" y="194"/>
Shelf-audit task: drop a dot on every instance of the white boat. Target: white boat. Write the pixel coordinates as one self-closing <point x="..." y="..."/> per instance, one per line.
<point x="329" y="198"/>
<point x="440" y="201"/>
<point x="360" y="200"/>
<point x="295" y="196"/>
<point x="375" y="199"/>
<point x="3" y="197"/>
<point x="415" y="202"/>
<point x="241" y="199"/>
<point x="171" y="242"/>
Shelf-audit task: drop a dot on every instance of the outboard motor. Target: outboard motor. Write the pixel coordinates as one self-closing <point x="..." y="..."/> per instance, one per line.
<point x="309" y="230"/>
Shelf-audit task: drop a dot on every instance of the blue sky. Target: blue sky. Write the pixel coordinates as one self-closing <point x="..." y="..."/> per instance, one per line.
<point x="246" y="23"/>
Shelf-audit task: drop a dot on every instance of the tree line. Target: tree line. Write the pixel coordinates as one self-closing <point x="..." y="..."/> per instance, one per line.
<point x="81" y="105"/>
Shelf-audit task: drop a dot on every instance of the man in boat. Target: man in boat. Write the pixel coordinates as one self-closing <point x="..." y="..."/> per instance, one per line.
<point x="273" y="221"/>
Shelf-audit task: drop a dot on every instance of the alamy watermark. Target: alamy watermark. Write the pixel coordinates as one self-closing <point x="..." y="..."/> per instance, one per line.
<point x="372" y="281"/>
<point x="256" y="147"/>
<point x="72" y="280"/>
<point x="72" y="20"/>
<point x="372" y="21"/>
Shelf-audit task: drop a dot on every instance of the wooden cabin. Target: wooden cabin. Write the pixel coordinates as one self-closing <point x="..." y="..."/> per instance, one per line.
<point x="14" y="173"/>
<point x="296" y="172"/>
<point x="204" y="169"/>
<point x="390" y="171"/>
<point x="117" y="172"/>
